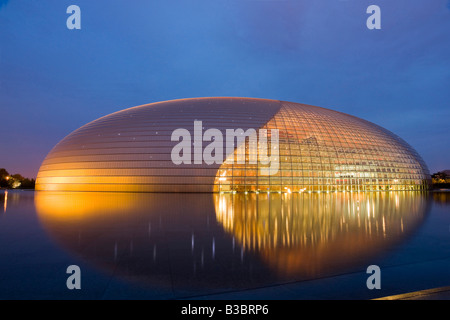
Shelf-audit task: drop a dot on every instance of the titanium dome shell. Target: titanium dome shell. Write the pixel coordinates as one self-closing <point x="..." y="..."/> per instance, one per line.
<point x="320" y="150"/>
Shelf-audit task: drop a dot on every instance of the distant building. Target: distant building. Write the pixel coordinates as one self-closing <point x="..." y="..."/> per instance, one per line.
<point x="320" y="150"/>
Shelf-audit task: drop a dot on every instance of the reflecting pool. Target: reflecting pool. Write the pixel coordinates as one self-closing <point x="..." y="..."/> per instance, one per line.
<point x="274" y="246"/>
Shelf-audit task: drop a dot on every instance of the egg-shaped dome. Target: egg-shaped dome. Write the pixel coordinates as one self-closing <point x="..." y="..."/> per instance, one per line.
<point x="231" y="145"/>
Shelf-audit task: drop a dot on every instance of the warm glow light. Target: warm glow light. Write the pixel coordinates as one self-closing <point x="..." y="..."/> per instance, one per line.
<point x="296" y="244"/>
<point x="6" y="201"/>
<point x="319" y="148"/>
<point x="69" y="206"/>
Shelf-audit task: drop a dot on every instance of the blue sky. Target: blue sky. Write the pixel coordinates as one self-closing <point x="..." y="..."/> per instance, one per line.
<point x="127" y="53"/>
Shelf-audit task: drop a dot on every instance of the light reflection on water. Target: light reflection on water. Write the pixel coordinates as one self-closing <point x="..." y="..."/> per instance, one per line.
<point x="5" y="200"/>
<point x="313" y="234"/>
<point x="228" y="240"/>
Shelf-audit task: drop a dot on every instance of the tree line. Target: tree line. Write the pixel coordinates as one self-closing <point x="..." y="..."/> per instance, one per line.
<point x="15" y="181"/>
<point x="441" y="179"/>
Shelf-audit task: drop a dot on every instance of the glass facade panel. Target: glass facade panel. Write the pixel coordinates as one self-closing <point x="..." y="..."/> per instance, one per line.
<point x="332" y="152"/>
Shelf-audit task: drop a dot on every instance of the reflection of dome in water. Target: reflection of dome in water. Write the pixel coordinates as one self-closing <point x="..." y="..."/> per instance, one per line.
<point x="225" y="240"/>
<point x="308" y="234"/>
<point x="158" y="239"/>
<point x="319" y="150"/>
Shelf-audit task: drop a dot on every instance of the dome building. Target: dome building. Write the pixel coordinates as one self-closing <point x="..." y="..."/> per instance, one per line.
<point x="184" y="146"/>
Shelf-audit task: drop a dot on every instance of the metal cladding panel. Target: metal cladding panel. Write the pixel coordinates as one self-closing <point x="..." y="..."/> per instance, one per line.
<point x="320" y="150"/>
<point x="130" y="150"/>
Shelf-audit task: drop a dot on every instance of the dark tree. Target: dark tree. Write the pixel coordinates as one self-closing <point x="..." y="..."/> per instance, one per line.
<point x="3" y="173"/>
<point x="8" y="181"/>
<point x="4" y="178"/>
<point x="27" y="184"/>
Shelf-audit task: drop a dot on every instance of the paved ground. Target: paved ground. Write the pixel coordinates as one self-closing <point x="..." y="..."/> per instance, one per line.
<point x="442" y="293"/>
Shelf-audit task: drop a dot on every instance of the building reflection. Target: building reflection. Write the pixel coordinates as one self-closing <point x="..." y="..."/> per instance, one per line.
<point x="229" y="240"/>
<point x="316" y="234"/>
<point x="160" y="239"/>
<point x="441" y="198"/>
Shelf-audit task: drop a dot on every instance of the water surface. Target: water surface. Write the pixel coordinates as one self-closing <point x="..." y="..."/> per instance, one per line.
<point x="274" y="246"/>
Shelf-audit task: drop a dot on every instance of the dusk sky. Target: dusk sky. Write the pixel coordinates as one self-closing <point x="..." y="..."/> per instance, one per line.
<point x="127" y="53"/>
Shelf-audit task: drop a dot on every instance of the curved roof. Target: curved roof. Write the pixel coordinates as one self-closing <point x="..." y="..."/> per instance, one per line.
<point x="319" y="150"/>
